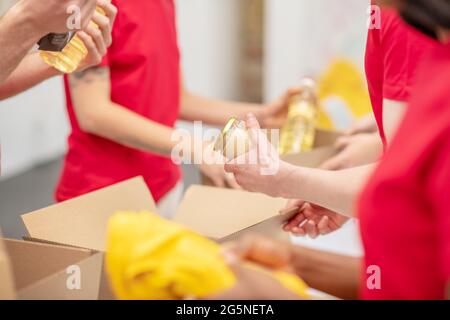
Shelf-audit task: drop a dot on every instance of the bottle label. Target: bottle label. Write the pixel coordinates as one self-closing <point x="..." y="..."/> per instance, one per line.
<point x="55" y="42"/>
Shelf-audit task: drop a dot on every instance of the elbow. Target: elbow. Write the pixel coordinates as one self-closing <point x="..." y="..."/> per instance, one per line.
<point x="88" y="121"/>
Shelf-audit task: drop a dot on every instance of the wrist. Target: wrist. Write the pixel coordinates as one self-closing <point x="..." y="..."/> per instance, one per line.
<point x="286" y="180"/>
<point x="301" y="261"/>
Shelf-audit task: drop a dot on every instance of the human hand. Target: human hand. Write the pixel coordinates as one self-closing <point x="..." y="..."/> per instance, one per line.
<point x="98" y="39"/>
<point x="51" y="16"/>
<point x="253" y="284"/>
<point x="212" y="166"/>
<point x="355" y="150"/>
<point x="259" y="170"/>
<point x="365" y="124"/>
<point x="273" y="115"/>
<point x="312" y="220"/>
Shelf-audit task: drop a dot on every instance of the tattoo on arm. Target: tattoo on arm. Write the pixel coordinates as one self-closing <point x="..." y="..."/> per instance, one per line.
<point x="89" y="76"/>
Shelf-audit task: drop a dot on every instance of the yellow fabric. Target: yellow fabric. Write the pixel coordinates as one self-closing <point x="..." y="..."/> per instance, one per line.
<point x="344" y="80"/>
<point x="151" y="258"/>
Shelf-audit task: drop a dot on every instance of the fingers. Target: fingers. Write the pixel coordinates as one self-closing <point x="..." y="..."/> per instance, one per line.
<point x="97" y="35"/>
<point x="252" y="122"/>
<point x="335" y="163"/>
<point x="218" y="181"/>
<point x="231" y="181"/>
<point x="104" y="26"/>
<point x="294" y="225"/>
<point x="324" y="226"/>
<point x="342" y="142"/>
<point x="267" y="252"/>
<point x="232" y="167"/>
<point x="109" y="9"/>
<point x="311" y="229"/>
<point x="253" y="129"/>
<point x="87" y="11"/>
<point x="90" y="46"/>
<point x="292" y="204"/>
<point x="293" y="91"/>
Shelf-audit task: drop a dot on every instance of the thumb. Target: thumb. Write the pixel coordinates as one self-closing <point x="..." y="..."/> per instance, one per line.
<point x="258" y="138"/>
<point x="252" y="122"/>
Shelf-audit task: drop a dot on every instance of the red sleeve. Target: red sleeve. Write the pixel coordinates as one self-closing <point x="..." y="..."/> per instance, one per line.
<point x="398" y="62"/>
<point x="440" y="194"/>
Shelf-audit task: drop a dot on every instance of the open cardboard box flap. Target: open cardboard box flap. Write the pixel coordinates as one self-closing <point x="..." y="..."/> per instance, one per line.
<point x="7" y="289"/>
<point x="82" y="222"/>
<point x="213" y="212"/>
<point x="41" y="271"/>
<point x="219" y="213"/>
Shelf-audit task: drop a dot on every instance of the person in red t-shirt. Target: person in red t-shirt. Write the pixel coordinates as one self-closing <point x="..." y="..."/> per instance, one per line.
<point x="406" y="201"/>
<point x="404" y="210"/>
<point x="123" y="112"/>
<point x="392" y="53"/>
<point x="392" y="56"/>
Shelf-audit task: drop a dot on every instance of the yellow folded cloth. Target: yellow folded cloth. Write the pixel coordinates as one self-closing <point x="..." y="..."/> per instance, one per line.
<point x="151" y="258"/>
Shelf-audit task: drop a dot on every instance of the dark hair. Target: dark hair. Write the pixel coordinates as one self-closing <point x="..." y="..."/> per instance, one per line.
<point x="425" y="15"/>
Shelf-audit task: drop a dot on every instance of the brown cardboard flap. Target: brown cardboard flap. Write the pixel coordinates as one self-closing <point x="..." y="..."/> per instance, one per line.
<point x="82" y="222"/>
<point x="272" y="227"/>
<point x="54" y="287"/>
<point x="7" y="289"/>
<point x="217" y="213"/>
<point x="325" y="138"/>
<point x="41" y="270"/>
<point x="323" y="150"/>
<point x="32" y="262"/>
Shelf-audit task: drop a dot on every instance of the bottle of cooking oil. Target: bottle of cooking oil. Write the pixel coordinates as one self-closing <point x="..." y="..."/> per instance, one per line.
<point x="234" y="139"/>
<point x="298" y="134"/>
<point x="69" y="58"/>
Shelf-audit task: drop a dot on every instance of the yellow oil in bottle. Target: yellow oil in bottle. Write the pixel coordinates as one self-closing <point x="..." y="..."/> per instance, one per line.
<point x="69" y="59"/>
<point x="298" y="134"/>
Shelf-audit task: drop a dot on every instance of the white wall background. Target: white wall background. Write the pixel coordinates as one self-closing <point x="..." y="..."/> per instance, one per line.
<point x="303" y="35"/>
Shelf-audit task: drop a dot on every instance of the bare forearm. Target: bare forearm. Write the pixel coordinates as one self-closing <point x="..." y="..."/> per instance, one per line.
<point x="116" y="123"/>
<point x="17" y="37"/>
<point x="334" y="274"/>
<point x="334" y="190"/>
<point x="214" y="112"/>
<point x="98" y="115"/>
<point x="30" y="72"/>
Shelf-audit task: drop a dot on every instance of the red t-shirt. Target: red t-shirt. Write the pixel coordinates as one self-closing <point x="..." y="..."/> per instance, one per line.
<point x="404" y="211"/>
<point x="144" y="62"/>
<point x="392" y="53"/>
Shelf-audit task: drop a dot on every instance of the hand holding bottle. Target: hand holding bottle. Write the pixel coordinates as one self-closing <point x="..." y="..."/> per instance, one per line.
<point x="260" y="170"/>
<point x="52" y="16"/>
<point x="98" y="39"/>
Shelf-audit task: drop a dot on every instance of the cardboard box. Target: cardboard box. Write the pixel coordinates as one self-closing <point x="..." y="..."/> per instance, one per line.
<point x="215" y="213"/>
<point x="323" y="150"/>
<point x="219" y="214"/>
<point x="82" y="222"/>
<point x="50" y="272"/>
<point x="7" y="289"/>
<point x="223" y="215"/>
